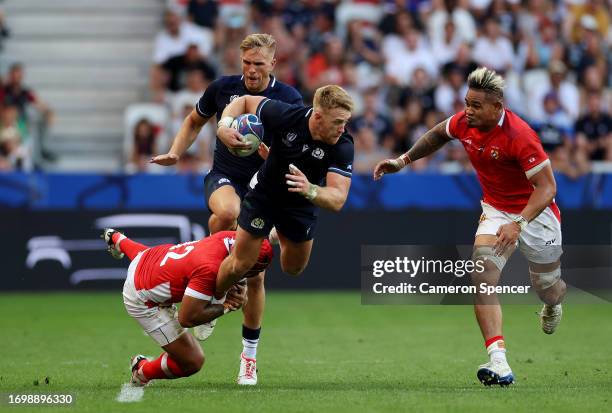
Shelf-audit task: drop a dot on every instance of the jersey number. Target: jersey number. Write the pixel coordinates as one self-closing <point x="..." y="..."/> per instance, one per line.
<point x="176" y="256"/>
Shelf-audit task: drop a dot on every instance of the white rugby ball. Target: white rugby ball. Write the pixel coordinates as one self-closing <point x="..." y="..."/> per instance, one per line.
<point x="251" y="128"/>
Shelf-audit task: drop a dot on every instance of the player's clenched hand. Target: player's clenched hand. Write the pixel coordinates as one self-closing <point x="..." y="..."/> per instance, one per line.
<point x="387" y="166"/>
<point x="236" y="297"/>
<point x="297" y="182"/>
<point x="167" y="159"/>
<point x="507" y="235"/>
<point x="231" y="138"/>
<point x="263" y="151"/>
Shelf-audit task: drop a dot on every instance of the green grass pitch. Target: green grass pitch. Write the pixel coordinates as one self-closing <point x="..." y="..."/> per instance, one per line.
<point x="320" y="352"/>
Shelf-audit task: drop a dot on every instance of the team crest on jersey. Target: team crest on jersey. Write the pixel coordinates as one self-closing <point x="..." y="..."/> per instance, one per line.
<point x="288" y="140"/>
<point x="318" y="153"/>
<point x="257" y="223"/>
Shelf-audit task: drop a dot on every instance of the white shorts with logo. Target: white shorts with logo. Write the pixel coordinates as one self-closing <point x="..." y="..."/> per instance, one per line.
<point x="539" y="242"/>
<point x="157" y="322"/>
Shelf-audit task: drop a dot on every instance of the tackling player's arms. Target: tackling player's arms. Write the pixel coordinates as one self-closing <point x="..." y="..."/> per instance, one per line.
<point x="194" y="311"/>
<point x="185" y="137"/>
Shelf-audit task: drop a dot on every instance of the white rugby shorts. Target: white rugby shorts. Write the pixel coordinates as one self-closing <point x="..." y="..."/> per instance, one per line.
<point x="158" y="322"/>
<point x="539" y="242"/>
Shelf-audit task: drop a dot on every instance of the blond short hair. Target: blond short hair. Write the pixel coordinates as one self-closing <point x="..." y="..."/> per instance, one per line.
<point x="332" y="97"/>
<point x="487" y="80"/>
<point x="258" y="40"/>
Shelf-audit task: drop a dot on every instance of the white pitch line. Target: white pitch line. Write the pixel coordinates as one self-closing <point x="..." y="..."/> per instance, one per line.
<point x="130" y="393"/>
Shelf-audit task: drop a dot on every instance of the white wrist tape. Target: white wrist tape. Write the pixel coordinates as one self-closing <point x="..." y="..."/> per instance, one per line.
<point x="225" y="121"/>
<point x="313" y="191"/>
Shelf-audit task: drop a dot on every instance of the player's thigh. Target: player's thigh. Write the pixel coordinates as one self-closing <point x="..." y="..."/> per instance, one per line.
<point x="294" y="255"/>
<point x="225" y="202"/>
<point x="186" y="351"/>
<point x="246" y="247"/>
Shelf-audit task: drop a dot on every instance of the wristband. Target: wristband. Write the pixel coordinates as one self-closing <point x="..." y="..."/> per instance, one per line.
<point x="521" y="221"/>
<point x="312" y="193"/>
<point x="225" y="121"/>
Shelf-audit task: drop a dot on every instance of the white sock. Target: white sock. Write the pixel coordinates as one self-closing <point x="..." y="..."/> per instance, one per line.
<point x="249" y="348"/>
<point x="497" y="351"/>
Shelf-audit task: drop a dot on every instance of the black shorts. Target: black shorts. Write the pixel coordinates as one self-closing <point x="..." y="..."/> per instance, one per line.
<point x="215" y="180"/>
<point x="258" y="214"/>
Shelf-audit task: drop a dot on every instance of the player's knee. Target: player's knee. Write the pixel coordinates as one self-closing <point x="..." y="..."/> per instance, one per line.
<point x="228" y="214"/>
<point x="292" y="269"/>
<point x="255" y="283"/>
<point x="193" y="364"/>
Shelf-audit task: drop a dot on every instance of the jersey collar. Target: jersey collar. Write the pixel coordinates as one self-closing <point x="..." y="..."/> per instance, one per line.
<point x="502" y="117"/>
<point x="271" y="84"/>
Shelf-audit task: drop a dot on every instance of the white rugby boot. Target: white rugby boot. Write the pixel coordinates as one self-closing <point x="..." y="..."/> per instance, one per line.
<point x="550" y="317"/>
<point x="138" y="379"/>
<point x="107" y="236"/>
<point x="247" y="376"/>
<point x="203" y="331"/>
<point x="495" y="372"/>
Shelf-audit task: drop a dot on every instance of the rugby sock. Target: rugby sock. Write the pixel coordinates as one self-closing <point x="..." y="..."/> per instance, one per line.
<point x="250" y="339"/>
<point x="127" y="246"/>
<point x="161" y="368"/>
<point x="496" y="348"/>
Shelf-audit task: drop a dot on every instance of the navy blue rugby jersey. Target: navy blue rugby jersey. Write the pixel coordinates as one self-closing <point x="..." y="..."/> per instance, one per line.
<point x="287" y="126"/>
<point x="214" y="100"/>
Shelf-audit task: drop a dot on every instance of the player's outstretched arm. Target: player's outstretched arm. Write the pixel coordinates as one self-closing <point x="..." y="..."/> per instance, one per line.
<point x="194" y="312"/>
<point x="229" y="136"/>
<point x="431" y="141"/>
<point x="185" y="137"/>
<point x="332" y="196"/>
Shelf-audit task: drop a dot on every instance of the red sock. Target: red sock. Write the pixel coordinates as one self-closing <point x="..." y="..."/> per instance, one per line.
<point x="161" y="368"/>
<point x="492" y="340"/>
<point x="127" y="246"/>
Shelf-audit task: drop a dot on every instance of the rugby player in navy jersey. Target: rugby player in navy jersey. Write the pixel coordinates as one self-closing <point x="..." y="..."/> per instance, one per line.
<point x="227" y="182"/>
<point x="309" y="167"/>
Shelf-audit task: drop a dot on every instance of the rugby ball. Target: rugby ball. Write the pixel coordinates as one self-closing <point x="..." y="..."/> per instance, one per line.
<point x="251" y="128"/>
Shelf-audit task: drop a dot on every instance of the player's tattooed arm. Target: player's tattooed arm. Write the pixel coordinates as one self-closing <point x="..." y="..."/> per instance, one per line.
<point x="184" y="138"/>
<point x="431" y="141"/>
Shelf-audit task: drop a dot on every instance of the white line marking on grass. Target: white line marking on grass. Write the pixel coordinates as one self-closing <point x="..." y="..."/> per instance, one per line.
<point x="130" y="393"/>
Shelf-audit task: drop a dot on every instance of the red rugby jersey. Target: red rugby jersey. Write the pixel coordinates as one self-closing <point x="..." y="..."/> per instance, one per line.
<point x="504" y="159"/>
<point x="167" y="272"/>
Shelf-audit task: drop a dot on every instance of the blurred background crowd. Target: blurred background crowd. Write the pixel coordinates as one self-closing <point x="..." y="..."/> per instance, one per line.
<point x="404" y="62"/>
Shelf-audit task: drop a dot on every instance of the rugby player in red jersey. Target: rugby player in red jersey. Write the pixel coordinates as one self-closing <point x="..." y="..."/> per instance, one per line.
<point x="159" y="277"/>
<point x="518" y="206"/>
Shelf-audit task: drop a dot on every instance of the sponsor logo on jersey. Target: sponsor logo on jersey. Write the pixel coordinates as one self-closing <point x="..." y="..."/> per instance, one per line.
<point x="304" y="148"/>
<point x="494" y="153"/>
<point x="257" y="223"/>
<point x="234" y="97"/>
<point x="532" y="159"/>
<point x="318" y="153"/>
<point x="223" y="181"/>
<point x="483" y="217"/>
<point x="349" y="167"/>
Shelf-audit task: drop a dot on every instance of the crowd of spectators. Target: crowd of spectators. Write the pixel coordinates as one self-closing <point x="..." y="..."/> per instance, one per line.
<point x="21" y="111"/>
<point x="405" y="63"/>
